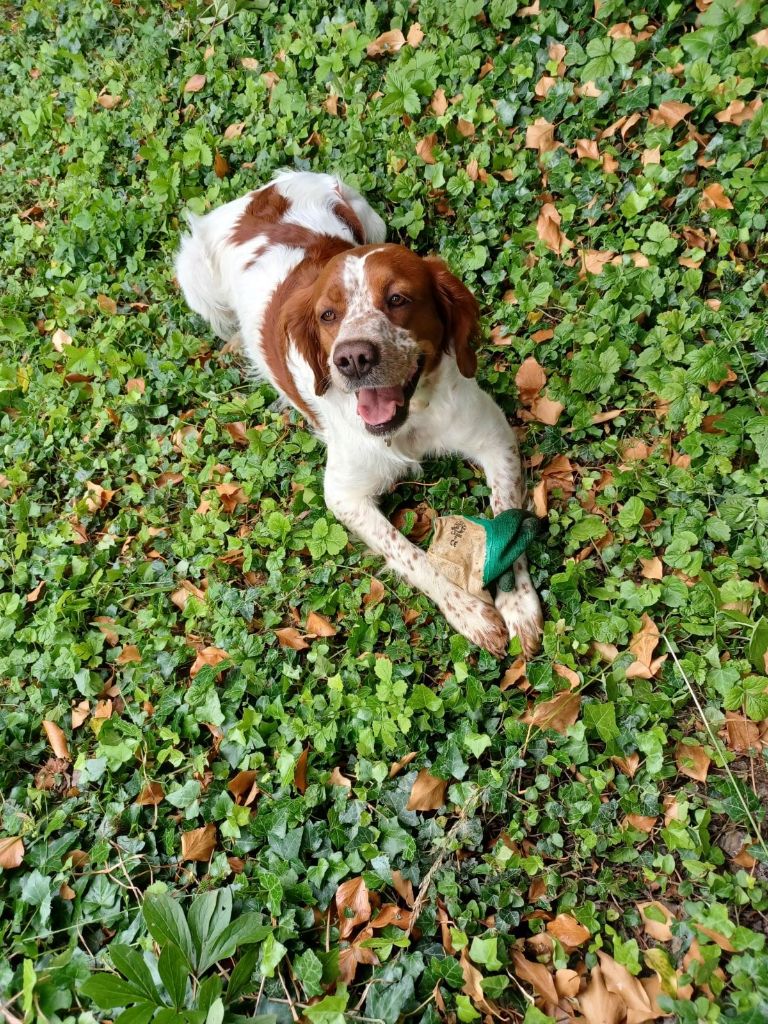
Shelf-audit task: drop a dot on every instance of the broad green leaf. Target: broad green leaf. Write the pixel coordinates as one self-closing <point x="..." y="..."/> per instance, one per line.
<point x="209" y="915"/>
<point x="166" y="922"/>
<point x="758" y="647"/>
<point x="601" y="718"/>
<point x="247" y="928"/>
<point x="174" y="973"/>
<point x="329" y="1010"/>
<point x="132" y="966"/>
<point x="272" y="952"/>
<point x="241" y="979"/>
<point x="108" y="991"/>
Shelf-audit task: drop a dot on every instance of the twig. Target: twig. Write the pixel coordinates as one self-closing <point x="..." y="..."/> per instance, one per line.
<point x="718" y="746"/>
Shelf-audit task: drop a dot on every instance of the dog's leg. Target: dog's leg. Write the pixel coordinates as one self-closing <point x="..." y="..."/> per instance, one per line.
<point x="481" y="433"/>
<point x="468" y="615"/>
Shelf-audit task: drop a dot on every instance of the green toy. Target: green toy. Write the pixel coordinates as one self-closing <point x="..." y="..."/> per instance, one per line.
<point x="475" y="553"/>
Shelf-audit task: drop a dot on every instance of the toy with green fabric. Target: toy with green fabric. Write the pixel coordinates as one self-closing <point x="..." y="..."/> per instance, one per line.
<point x="474" y="553"/>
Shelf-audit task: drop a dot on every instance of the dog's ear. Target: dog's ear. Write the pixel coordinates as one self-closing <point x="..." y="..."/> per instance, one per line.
<point x="299" y="325"/>
<point x="460" y="314"/>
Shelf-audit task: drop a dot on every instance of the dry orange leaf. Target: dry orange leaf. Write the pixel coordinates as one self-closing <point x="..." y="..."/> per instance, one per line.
<point x="737" y="111"/>
<point x="199" y="844"/>
<point x="212" y="656"/>
<point x="151" y="795"/>
<point x="249" y="63"/>
<point x="129" y="655"/>
<point x="568" y="674"/>
<point x="57" y="740"/>
<point x="415" y="35"/>
<point x="628" y="765"/>
<point x="546" y="410"/>
<point x="234" y="131"/>
<point x="548" y="229"/>
<point x="760" y="38"/>
<point x="237" y="431"/>
<point x="473" y="982"/>
<point x="79" y="713"/>
<point x="742" y="735"/>
<point x="386" y="43"/>
<point x="567" y="930"/>
<point x="544" y="85"/>
<point x="403" y="887"/>
<point x="693" y="761"/>
<point x="428" y="793"/>
<point x="185" y="591"/>
<point x="586" y="149"/>
<point x="243" y="788"/>
<point x="34" y="594"/>
<point x="375" y="593"/>
<point x="338" y="778"/>
<point x="653" y="568"/>
<point x="541" y="135"/>
<point x="60" y="339"/>
<point x="439" y="103"/>
<point x="106" y="304"/>
<point x="618" y="981"/>
<point x="221" y="166"/>
<point x="107" y="101"/>
<point x="320" y="625"/>
<point x="714" y="198"/>
<point x="195" y="83"/>
<point x="514" y="675"/>
<point x="659" y="930"/>
<point x="594" y="260"/>
<point x="355" y="954"/>
<point x="137" y="384"/>
<point x="567" y="983"/>
<point x="598" y="1005"/>
<point x="425" y="146"/>
<point x="557" y="714"/>
<point x="290" y="637"/>
<point x="11" y="852"/>
<point x="465" y="128"/>
<point x="670" y="113"/>
<point x="394" y="915"/>
<point x="530" y="379"/>
<point x="397" y="766"/>
<point x="352" y="905"/>
<point x="642" y="645"/>
<point x="537" y="976"/>
<point x="300" y="771"/>
<point x="231" y="496"/>
<point x="642" y="822"/>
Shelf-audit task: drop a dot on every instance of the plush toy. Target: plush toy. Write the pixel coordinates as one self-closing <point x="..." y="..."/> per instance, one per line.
<point x="475" y="553"/>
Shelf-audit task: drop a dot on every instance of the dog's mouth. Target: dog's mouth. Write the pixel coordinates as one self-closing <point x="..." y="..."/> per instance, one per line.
<point x="385" y="409"/>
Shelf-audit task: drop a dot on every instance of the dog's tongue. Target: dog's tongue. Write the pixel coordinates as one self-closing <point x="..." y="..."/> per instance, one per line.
<point x="378" y="405"/>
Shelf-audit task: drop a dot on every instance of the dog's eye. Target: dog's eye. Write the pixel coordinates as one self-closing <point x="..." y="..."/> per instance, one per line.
<point x="397" y="300"/>
<point x="328" y="315"/>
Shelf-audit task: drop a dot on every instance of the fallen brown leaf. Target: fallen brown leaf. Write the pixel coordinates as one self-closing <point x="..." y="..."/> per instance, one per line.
<point x="211" y="656"/>
<point x="737" y="111"/>
<point x="415" y="35"/>
<point x="390" y="914"/>
<point x="11" y="852"/>
<point x="320" y="625"/>
<point x="34" y="594"/>
<point x="403" y="887"/>
<point x="151" y="795"/>
<point x="548" y="229"/>
<point x="652" y="568"/>
<point x="397" y="766"/>
<point x="439" y="103"/>
<point x="107" y="101"/>
<point x="714" y="198"/>
<point x="386" y="43"/>
<point x="425" y="147"/>
<point x="199" y="844"/>
<point x="586" y="149"/>
<point x="670" y="113"/>
<point x="530" y="379"/>
<point x="195" y="83"/>
<point x="79" y="713"/>
<point x="300" y="771"/>
<point x="375" y="593"/>
<point x="557" y="714"/>
<point x="129" y="655"/>
<point x="659" y="930"/>
<point x="537" y="976"/>
<point x="642" y="645"/>
<point x="428" y="793"/>
<point x="243" y="788"/>
<point x="234" y="131"/>
<point x="541" y="136"/>
<point x="57" y="740"/>
<point x="473" y="982"/>
<point x="742" y="735"/>
<point x="598" y="1005"/>
<point x="352" y="905"/>
<point x="290" y="637"/>
<point x="567" y="930"/>
<point x="337" y="778"/>
<point x="621" y="983"/>
<point x="693" y="761"/>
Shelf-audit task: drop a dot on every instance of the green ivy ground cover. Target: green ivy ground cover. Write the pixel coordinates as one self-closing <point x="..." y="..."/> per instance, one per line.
<point x="599" y="178"/>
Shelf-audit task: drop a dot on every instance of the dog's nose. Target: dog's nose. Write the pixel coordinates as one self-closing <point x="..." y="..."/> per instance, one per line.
<point x="355" y="358"/>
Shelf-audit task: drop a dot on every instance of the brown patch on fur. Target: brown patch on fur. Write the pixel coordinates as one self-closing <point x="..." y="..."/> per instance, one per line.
<point x="290" y="315"/>
<point x="346" y="214"/>
<point x="266" y="208"/>
<point x="460" y="313"/>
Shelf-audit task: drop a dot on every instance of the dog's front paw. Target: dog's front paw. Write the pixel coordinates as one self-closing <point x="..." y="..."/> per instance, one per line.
<point x="476" y="620"/>
<point x="521" y="611"/>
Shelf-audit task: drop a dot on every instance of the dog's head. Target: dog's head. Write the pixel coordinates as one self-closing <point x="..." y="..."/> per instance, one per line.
<point x="377" y="319"/>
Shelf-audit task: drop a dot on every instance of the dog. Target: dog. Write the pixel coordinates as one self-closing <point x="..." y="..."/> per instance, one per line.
<point x="374" y="345"/>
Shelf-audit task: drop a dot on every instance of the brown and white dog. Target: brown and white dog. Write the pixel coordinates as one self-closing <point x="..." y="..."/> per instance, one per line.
<point x="374" y="345"/>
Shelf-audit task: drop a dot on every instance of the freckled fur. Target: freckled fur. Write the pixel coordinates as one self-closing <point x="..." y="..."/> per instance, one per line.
<point x="263" y="266"/>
